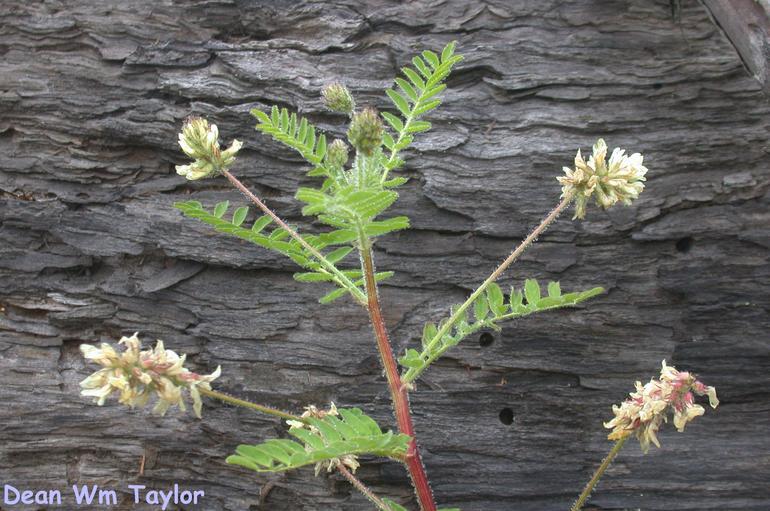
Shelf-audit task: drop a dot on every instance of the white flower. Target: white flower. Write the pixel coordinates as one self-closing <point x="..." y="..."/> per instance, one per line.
<point x="200" y="141"/>
<point x="619" y="180"/>
<point x="136" y="375"/>
<point x="647" y="408"/>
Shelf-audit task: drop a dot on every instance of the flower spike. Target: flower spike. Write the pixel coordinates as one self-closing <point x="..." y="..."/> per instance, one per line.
<point x="620" y="179"/>
<point x="137" y="374"/>
<point x="200" y="141"/>
<point x="647" y="408"/>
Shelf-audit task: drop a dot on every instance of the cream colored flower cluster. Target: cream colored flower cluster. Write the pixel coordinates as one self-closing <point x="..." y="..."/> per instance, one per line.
<point x="136" y="375"/>
<point x="350" y="460"/>
<point x="620" y="179"/>
<point x="200" y="141"/>
<point x="647" y="408"/>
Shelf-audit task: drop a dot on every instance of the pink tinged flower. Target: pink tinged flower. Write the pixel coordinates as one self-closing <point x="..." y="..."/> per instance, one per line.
<point x="646" y="409"/>
<point x="137" y="375"/>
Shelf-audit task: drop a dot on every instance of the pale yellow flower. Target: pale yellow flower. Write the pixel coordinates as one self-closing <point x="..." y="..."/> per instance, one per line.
<point x="619" y="180"/>
<point x="136" y="375"/>
<point x="200" y="141"/>
<point x="647" y="408"/>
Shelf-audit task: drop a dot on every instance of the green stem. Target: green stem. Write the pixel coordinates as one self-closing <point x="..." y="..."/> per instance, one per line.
<point x="581" y="501"/>
<point x="413" y="373"/>
<point x="248" y="404"/>
<point x="360" y="486"/>
<point x="359" y="295"/>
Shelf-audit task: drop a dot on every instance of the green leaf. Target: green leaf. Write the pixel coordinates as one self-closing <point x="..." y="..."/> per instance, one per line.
<point x="407" y="88"/>
<point x="378" y="228"/>
<point x="297" y="133"/>
<point x="480" y="309"/>
<point x="431" y="58"/>
<point x="433" y="347"/>
<point x="336" y="256"/>
<point x="313" y="277"/>
<point x="394" y="121"/>
<point x="353" y="433"/>
<point x="333" y="295"/>
<point x="448" y="51"/>
<point x="240" y="215"/>
<point x="411" y="358"/>
<point x="532" y="292"/>
<point x="401" y="103"/>
<point x="429" y="331"/>
<point x="260" y="223"/>
<point x="220" y="208"/>
<point x="496" y="299"/>
<point x="554" y="290"/>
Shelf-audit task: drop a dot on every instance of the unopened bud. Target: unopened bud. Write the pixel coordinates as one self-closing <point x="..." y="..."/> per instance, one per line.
<point x="337" y="98"/>
<point x="337" y="154"/>
<point x="365" y="132"/>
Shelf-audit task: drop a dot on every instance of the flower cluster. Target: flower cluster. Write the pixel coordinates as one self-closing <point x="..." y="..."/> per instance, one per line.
<point x="338" y="98"/>
<point x="350" y="460"/>
<point x="200" y="141"/>
<point x="365" y="131"/>
<point x="136" y="375"/>
<point x="648" y="407"/>
<point x="620" y="179"/>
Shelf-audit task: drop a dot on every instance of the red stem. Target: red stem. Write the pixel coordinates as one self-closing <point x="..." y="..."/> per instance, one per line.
<point x="398" y="391"/>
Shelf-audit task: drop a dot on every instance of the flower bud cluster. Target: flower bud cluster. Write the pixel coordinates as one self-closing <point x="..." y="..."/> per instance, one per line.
<point x="200" y="141"/>
<point x="647" y="408"/>
<point x="338" y="98"/>
<point x="136" y="375"/>
<point x="620" y="179"/>
<point x="365" y="131"/>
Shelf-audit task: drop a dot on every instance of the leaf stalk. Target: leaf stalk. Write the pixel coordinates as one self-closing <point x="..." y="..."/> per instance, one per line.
<point x="413" y="373"/>
<point x="357" y="293"/>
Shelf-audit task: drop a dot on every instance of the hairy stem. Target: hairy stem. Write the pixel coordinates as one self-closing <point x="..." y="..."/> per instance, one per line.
<point x="398" y="391"/>
<point x="345" y="281"/>
<point x="413" y="373"/>
<point x="581" y="501"/>
<point x="369" y="494"/>
<point x="248" y="404"/>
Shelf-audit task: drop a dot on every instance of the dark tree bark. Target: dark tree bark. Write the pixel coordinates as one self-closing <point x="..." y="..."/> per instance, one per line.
<point x="92" y="95"/>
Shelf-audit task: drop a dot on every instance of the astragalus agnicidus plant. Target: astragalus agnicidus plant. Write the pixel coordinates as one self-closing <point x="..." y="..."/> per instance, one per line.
<point x="357" y="184"/>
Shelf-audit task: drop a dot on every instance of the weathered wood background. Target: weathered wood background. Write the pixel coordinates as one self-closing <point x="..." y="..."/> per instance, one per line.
<point x="92" y="95"/>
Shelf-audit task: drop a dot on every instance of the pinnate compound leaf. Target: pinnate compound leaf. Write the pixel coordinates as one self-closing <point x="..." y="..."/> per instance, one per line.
<point x="297" y="134"/>
<point x="419" y="86"/>
<point x="492" y="300"/>
<point x="352" y="433"/>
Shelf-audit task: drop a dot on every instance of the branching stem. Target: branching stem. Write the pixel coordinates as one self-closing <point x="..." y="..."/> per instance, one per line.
<point x="413" y="373"/>
<point x="581" y="501"/>
<point x="248" y="404"/>
<point x="357" y="293"/>
<point x="398" y="391"/>
<point x="360" y="486"/>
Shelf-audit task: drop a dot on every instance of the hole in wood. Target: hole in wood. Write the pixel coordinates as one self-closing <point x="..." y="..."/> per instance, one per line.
<point x="486" y="339"/>
<point x="684" y="245"/>
<point x="506" y="416"/>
